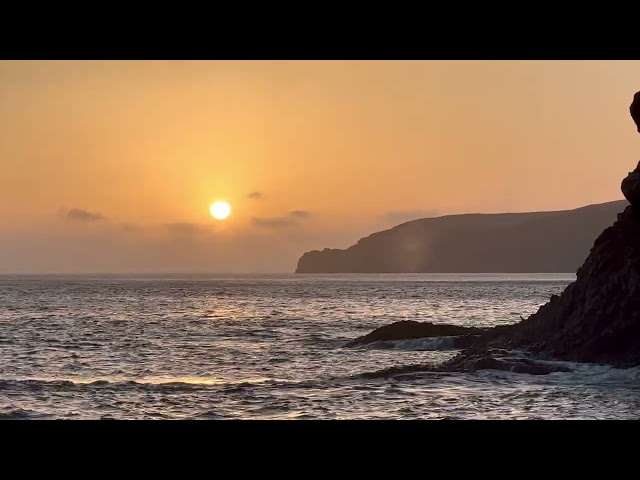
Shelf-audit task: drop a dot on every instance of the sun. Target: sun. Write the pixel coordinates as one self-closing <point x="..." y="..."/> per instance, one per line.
<point x="220" y="210"/>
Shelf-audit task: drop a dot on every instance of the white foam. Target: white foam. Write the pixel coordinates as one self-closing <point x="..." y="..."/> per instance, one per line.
<point x="414" y="344"/>
<point x="586" y="373"/>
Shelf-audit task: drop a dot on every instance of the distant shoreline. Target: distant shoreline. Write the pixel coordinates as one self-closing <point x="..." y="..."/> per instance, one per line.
<point x="545" y="242"/>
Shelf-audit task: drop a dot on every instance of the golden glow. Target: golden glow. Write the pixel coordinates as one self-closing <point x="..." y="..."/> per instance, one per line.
<point x="363" y="145"/>
<point x="220" y="210"/>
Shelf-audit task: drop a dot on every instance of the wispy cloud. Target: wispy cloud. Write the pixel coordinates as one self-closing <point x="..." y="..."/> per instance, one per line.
<point x="79" y="215"/>
<point x="300" y="213"/>
<point x="185" y="228"/>
<point x="131" y="227"/>
<point x="256" y="196"/>
<point x="273" y="222"/>
<point x="401" y="216"/>
<point x="292" y="219"/>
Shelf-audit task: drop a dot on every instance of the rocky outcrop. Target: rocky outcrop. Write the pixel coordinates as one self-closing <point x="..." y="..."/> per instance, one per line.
<point x="500" y="243"/>
<point x="634" y="110"/>
<point x="409" y="329"/>
<point x="595" y="319"/>
<point x="489" y="360"/>
<point x="631" y="186"/>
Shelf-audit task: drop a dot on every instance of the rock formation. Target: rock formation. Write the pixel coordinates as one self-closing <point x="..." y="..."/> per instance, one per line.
<point x="501" y="243"/>
<point x="408" y="329"/>
<point x="634" y="109"/>
<point x="595" y="319"/>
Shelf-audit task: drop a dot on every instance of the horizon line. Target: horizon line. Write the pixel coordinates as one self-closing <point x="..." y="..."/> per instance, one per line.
<point x="105" y="274"/>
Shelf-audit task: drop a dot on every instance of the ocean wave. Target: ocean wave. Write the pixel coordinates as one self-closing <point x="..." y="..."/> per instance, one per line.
<point x="150" y="383"/>
<point x="208" y="415"/>
<point x="588" y="373"/>
<point x="569" y="373"/>
<point x="395" y="371"/>
<point x="22" y="414"/>
<point x="321" y="340"/>
<point x="414" y="344"/>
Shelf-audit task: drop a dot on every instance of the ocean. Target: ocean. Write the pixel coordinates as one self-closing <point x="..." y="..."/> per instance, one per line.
<point x="273" y="347"/>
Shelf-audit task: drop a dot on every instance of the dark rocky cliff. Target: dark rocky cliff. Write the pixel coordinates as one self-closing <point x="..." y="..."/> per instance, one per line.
<point x="549" y="242"/>
<point x="595" y="319"/>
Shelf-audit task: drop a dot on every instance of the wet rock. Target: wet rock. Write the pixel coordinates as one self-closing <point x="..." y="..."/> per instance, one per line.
<point x="409" y="329"/>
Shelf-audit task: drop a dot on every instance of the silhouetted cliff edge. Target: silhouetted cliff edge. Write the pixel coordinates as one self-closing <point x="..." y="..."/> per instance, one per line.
<point x="547" y="242"/>
<point x="595" y="319"/>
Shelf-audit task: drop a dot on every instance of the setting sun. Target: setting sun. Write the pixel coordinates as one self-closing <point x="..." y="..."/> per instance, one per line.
<point x="220" y="210"/>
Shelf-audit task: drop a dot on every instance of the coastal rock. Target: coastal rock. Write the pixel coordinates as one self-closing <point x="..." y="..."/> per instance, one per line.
<point x="487" y="361"/>
<point x="631" y="187"/>
<point x="409" y="329"/>
<point x="503" y="361"/>
<point x="634" y="110"/>
<point x="595" y="319"/>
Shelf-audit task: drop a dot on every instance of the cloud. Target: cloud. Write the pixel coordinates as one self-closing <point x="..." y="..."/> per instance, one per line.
<point x="79" y="215"/>
<point x="256" y="196"/>
<point x="299" y="213"/>
<point x="273" y="222"/>
<point x="291" y="219"/>
<point x="401" y="216"/>
<point x="131" y="227"/>
<point x="185" y="228"/>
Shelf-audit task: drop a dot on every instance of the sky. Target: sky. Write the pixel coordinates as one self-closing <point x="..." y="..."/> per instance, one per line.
<point x="111" y="166"/>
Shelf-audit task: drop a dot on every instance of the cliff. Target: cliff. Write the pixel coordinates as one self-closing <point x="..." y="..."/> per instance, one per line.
<point x="548" y="242"/>
<point x="595" y="319"/>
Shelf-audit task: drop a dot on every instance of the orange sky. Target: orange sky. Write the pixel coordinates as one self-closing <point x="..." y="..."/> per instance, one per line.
<point x="145" y="147"/>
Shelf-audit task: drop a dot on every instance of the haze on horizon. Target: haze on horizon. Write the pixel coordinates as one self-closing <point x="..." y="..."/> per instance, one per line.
<point x="111" y="166"/>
